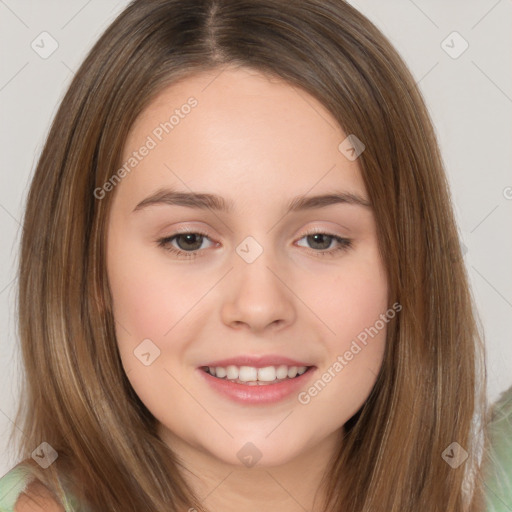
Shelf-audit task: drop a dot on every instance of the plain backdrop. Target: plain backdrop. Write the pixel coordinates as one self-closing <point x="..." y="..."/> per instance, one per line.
<point x="466" y="79"/>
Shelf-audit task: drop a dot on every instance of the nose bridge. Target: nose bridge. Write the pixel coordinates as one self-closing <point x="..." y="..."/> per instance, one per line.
<point x="255" y="267"/>
<point x="250" y="249"/>
<point x="258" y="297"/>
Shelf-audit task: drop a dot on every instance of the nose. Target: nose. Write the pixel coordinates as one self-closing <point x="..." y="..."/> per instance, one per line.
<point x="258" y="297"/>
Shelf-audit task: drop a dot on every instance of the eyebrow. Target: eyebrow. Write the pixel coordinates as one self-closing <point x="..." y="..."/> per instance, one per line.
<point x="206" y="201"/>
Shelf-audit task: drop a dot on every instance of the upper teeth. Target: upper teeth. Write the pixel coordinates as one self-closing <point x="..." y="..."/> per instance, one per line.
<point x="249" y="373"/>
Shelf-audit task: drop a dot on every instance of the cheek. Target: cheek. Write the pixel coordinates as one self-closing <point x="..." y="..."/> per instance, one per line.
<point x="353" y="299"/>
<point x="152" y="310"/>
<point x="354" y="307"/>
<point x="148" y="303"/>
<point x="156" y="301"/>
<point x="149" y="296"/>
<point x="142" y="299"/>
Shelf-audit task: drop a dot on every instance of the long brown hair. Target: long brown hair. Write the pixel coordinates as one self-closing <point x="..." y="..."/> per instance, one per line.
<point x="77" y="398"/>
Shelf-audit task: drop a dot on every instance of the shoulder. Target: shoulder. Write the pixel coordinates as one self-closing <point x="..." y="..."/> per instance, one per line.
<point x="37" y="498"/>
<point x="12" y="485"/>
<point x="499" y="459"/>
<point x="21" y="492"/>
<point x="500" y="430"/>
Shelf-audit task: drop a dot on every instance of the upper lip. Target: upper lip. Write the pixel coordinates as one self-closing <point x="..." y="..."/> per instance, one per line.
<point x="257" y="361"/>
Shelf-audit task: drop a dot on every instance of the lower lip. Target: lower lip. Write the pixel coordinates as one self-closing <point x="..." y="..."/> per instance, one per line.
<point x="264" y="394"/>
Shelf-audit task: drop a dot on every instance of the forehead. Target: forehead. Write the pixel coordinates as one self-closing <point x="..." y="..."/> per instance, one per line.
<point x="241" y="130"/>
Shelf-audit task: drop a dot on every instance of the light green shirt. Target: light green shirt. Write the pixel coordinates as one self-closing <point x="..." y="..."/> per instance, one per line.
<point x="16" y="481"/>
<point x="498" y="477"/>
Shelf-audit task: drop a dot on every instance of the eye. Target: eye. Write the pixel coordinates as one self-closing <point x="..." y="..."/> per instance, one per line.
<point x="324" y="240"/>
<point x="189" y="243"/>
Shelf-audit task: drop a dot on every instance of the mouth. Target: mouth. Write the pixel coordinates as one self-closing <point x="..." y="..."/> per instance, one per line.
<point x="257" y="386"/>
<point x="256" y="376"/>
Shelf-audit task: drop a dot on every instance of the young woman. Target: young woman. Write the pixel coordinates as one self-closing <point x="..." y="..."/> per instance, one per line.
<point x="240" y="279"/>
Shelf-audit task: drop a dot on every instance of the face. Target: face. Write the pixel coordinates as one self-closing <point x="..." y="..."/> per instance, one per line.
<point x="195" y="284"/>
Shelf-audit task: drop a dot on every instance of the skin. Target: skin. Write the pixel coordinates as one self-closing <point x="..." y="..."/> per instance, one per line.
<point x="258" y="142"/>
<point x="37" y="498"/>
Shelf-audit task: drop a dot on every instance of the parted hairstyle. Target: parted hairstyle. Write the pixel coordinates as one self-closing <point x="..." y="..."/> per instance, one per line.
<point x="431" y="389"/>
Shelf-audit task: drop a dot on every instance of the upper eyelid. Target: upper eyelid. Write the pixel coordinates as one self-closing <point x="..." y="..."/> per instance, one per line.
<point x="316" y="228"/>
<point x="200" y="232"/>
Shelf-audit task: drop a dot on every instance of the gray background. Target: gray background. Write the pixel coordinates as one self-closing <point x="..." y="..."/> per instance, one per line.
<point x="469" y="98"/>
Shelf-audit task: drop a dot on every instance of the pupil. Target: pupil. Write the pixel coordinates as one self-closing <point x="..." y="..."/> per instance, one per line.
<point x="189" y="236"/>
<point x="320" y="235"/>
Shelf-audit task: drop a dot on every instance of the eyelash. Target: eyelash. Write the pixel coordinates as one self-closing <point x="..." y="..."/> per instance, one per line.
<point x="343" y="244"/>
